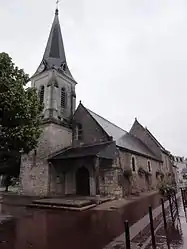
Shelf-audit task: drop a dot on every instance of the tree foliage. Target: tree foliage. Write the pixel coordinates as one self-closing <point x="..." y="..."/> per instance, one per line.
<point x="19" y="110"/>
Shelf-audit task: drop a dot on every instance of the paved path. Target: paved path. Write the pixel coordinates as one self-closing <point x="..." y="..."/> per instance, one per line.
<point x="177" y="235"/>
<point x="136" y="228"/>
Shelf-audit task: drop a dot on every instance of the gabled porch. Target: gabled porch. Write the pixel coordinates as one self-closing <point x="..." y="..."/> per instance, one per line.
<point x="77" y="170"/>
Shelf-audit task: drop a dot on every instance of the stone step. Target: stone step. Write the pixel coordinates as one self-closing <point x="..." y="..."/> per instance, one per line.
<point x="78" y="203"/>
<point x="54" y="206"/>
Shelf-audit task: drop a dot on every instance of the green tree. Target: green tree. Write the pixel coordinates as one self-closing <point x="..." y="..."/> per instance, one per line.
<point x="20" y="112"/>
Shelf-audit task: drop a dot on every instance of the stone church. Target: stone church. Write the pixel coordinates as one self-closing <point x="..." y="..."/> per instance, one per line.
<point x="80" y="152"/>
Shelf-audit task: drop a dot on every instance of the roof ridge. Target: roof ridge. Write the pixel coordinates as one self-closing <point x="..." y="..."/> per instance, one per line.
<point x="155" y="138"/>
<point x="150" y="134"/>
<point x="106" y="120"/>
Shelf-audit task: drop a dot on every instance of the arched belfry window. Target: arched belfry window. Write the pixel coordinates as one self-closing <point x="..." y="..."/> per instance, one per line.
<point x="41" y="94"/>
<point x="63" y="97"/>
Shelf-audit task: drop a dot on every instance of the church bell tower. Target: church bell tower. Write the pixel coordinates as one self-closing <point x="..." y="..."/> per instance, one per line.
<point x="56" y="90"/>
<point x="53" y="80"/>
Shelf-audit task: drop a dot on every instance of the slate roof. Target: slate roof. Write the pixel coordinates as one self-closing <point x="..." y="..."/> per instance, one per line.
<point x="123" y="138"/>
<point x="103" y="150"/>
<point x="156" y="141"/>
<point x="54" y="55"/>
<point x="110" y="128"/>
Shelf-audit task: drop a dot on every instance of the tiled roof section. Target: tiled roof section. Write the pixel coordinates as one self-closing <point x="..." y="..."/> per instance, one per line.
<point x="156" y="141"/>
<point x="123" y="138"/>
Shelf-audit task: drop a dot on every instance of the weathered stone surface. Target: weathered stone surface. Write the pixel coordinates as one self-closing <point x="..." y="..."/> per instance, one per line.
<point x="136" y="183"/>
<point x="34" y="172"/>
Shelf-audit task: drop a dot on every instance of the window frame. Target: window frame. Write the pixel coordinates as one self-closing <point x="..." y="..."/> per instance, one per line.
<point x="78" y="132"/>
<point x="133" y="159"/>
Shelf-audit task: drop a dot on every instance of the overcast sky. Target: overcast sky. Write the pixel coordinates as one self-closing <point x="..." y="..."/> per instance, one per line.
<point x="129" y="57"/>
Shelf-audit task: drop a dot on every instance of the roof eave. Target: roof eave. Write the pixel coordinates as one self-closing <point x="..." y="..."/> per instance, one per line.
<point x="140" y="154"/>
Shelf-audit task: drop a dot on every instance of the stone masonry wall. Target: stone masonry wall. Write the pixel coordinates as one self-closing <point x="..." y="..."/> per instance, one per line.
<point x="34" y="172"/>
<point x="139" y="183"/>
<point x="109" y="182"/>
<point x="92" y="131"/>
<point x="167" y="168"/>
<point x="112" y="181"/>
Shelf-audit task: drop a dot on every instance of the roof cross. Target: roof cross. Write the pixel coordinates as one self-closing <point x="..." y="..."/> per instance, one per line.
<point x="57" y="2"/>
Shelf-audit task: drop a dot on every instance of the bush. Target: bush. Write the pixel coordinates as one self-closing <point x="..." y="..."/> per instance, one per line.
<point x="159" y="173"/>
<point x="166" y="189"/>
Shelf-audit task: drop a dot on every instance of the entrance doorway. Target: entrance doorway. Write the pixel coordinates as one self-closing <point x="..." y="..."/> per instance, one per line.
<point x="82" y="181"/>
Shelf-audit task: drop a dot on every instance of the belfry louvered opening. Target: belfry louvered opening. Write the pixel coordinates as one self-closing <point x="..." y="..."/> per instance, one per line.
<point x="41" y="94"/>
<point x="63" y="98"/>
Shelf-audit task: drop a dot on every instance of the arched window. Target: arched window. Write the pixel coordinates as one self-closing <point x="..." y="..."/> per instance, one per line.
<point x="133" y="164"/>
<point x="149" y="166"/>
<point x="63" y="98"/>
<point x="41" y="94"/>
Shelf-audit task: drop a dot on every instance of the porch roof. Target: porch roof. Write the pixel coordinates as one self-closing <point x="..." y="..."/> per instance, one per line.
<point x="105" y="150"/>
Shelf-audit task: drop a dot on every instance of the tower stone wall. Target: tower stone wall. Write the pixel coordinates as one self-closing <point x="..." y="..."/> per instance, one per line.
<point x="53" y="82"/>
<point x="56" y="90"/>
<point x="34" y="172"/>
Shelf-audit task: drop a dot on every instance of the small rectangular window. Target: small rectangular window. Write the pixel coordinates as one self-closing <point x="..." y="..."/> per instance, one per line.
<point x="149" y="166"/>
<point x="78" y="132"/>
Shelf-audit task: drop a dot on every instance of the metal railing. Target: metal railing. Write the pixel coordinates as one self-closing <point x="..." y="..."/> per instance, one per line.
<point x="173" y="205"/>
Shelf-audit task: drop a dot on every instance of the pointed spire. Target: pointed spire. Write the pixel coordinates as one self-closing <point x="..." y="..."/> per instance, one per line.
<point x="57" y="2"/>
<point x="54" y="55"/>
<point x="56" y="11"/>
